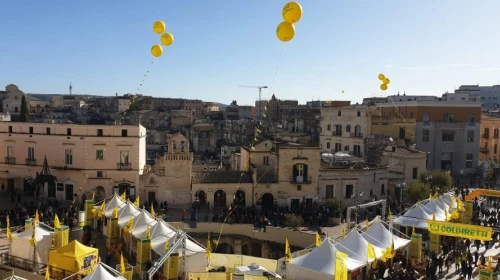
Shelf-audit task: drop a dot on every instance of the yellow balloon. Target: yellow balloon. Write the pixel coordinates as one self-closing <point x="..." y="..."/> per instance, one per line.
<point x="387" y="81"/>
<point x="383" y="87"/>
<point x="159" y="27"/>
<point x="381" y="77"/>
<point x="285" y="31"/>
<point x="292" y="12"/>
<point x="167" y="39"/>
<point x="156" y="50"/>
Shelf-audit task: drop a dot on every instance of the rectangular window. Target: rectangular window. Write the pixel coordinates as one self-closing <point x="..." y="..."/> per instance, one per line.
<point x="266" y="160"/>
<point x="31" y="130"/>
<point x="328" y="145"/>
<point x="426" y="119"/>
<point x="68" y="156"/>
<point x="10" y="151"/>
<point x="99" y="154"/>
<point x="382" y="189"/>
<point x="124" y="157"/>
<point x="124" y="133"/>
<point x="68" y="131"/>
<point x="359" y="113"/>
<point x="468" y="160"/>
<point x="470" y="135"/>
<point x="415" y="173"/>
<point x="99" y="132"/>
<point x="495" y="148"/>
<point x="448" y="117"/>
<point x="47" y="131"/>
<point x="472" y="120"/>
<point x="10" y="128"/>
<point x="329" y="191"/>
<point x="339" y="113"/>
<point x="425" y="135"/>
<point x="349" y="190"/>
<point x="448" y="136"/>
<point x="99" y="174"/>
<point x="31" y="153"/>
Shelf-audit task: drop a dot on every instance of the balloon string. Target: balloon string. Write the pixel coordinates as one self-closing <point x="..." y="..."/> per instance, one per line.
<point x="278" y="65"/>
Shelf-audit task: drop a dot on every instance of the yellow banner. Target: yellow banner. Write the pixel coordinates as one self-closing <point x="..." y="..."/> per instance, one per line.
<point x="340" y="265"/>
<point x="459" y="230"/>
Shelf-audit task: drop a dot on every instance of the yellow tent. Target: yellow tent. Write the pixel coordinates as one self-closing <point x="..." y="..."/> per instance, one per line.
<point x="74" y="257"/>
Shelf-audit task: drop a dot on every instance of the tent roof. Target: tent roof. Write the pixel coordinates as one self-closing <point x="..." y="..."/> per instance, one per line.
<point x="158" y="245"/>
<point x="433" y="207"/>
<point x="110" y="205"/>
<point x="75" y="249"/>
<point x="15" y="277"/>
<point x="40" y="234"/>
<point x="357" y="247"/>
<point x="447" y="199"/>
<point x="379" y="236"/>
<point x="129" y="210"/>
<point x="322" y="259"/>
<point x="103" y="272"/>
<point x="140" y="232"/>
<point x="143" y="219"/>
<point x="161" y="229"/>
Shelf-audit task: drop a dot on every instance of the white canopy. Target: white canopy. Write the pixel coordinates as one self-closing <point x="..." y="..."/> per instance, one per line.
<point x="158" y="245"/>
<point x="254" y="269"/>
<point x="161" y="229"/>
<point x="126" y="212"/>
<point x="110" y="205"/>
<point x="15" y="277"/>
<point x="447" y="198"/>
<point x="143" y="219"/>
<point x="356" y="247"/>
<point x="318" y="264"/>
<point x="415" y="217"/>
<point x="433" y="207"/>
<point x="379" y="236"/>
<point x="21" y="246"/>
<point x="104" y="272"/>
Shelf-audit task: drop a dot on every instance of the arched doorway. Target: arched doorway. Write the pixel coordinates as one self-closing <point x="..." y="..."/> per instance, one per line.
<point x="99" y="194"/>
<point x="224" y="248"/>
<point x="219" y="201"/>
<point x="239" y="199"/>
<point x="200" y="199"/>
<point x="267" y="201"/>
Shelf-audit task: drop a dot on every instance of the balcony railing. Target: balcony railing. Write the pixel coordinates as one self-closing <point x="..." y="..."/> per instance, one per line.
<point x="356" y="134"/>
<point x="486" y="135"/>
<point x="10" y="160"/>
<point x="124" y="166"/>
<point x="300" y="180"/>
<point x="484" y="150"/>
<point x="336" y="133"/>
<point x="31" y="161"/>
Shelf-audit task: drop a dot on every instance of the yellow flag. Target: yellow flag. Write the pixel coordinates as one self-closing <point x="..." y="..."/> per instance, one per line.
<point x="9" y="234"/>
<point x="436" y="194"/>
<point x="57" y="223"/>
<point x="124" y="196"/>
<point x="367" y="225"/>
<point x="390" y="212"/>
<point x="340" y="265"/>
<point x="430" y="196"/>
<point x="93" y="196"/>
<point x="47" y="275"/>
<point x="318" y="240"/>
<point x="136" y="202"/>
<point x="33" y="239"/>
<point x="37" y="218"/>
<point x="371" y="252"/>
<point x="167" y="246"/>
<point x="343" y="231"/>
<point x="153" y="211"/>
<point x="115" y="213"/>
<point x="148" y="232"/>
<point x="209" y="247"/>
<point x="102" y="208"/>
<point x="412" y="230"/>
<point x="433" y="216"/>
<point x="447" y="215"/>
<point x="288" y="252"/>
<point x="122" y="265"/>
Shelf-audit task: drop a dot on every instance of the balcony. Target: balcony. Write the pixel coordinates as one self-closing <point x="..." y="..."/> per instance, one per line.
<point x="336" y="133"/>
<point x="485" y="135"/>
<point x="10" y="160"/>
<point x="300" y="180"/>
<point x="31" y="161"/>
<point x="484" y="150"/>
<point x="356" y="134"/>
<point x="124" y="166"/>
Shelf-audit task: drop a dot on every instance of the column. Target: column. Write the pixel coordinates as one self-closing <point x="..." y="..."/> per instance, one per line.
<point x="265" y="250"/>
<point x="237" y="246"/>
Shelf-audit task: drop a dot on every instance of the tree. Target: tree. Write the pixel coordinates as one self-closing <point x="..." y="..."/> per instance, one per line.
<point x="438" y="179"/>
<point x="25" y="114"/>
<point x="334" y="206"/>
<point x="415" y="192"/>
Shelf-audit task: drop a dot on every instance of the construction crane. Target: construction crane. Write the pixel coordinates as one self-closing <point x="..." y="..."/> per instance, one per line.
<point x="260" y="95"/>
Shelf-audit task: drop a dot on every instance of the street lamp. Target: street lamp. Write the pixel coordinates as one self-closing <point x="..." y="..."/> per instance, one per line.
<point x="401" y="186"/>
<point x="460" y="177"/>
<point x="356" y="196"/>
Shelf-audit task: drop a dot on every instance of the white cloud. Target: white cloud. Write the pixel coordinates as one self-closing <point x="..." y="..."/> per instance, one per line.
<point x="489" y="69"/>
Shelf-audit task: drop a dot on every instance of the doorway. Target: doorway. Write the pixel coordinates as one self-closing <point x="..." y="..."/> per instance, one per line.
<point x="267" y="201"/>
<point x="239" y="199"/>
<point x="151" y="197"/>
<point x="295" y="204"/>
<point x="68" y="193"/>
<point x="219" y="201"/>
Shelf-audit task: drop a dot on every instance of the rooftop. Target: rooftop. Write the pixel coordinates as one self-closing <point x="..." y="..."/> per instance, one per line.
<point x="353" y="165"/>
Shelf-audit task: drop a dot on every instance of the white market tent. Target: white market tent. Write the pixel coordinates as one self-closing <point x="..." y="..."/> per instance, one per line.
<point x="319" y="264"/>
<point x="356" y="247"/>
<point x="415" y="217"/>
<point x="104" y="272"/>
<point x="21" y="246"/>
<point x="126" y="212"/>
<point x="254" y="269"/>
<point x="110" y="205"/>
<point x="15" y="277"/>
<point x="141" y="222"/>
<point x="447" y="199"/>
<point x="433" y="207"/>
<point x="379" y="236"/>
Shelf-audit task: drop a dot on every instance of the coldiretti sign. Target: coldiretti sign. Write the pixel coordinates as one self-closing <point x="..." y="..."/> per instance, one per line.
<point x="460" y="230"/>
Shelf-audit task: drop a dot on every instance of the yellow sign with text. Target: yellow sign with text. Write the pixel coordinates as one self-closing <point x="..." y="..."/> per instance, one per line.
<point x="459" y="230"/>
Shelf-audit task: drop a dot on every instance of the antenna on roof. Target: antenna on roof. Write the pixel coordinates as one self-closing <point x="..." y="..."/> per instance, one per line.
<point x="70" y="89"/>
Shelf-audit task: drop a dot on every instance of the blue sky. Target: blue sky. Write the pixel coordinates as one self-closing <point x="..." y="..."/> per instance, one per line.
<point x="103" y="47"/>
